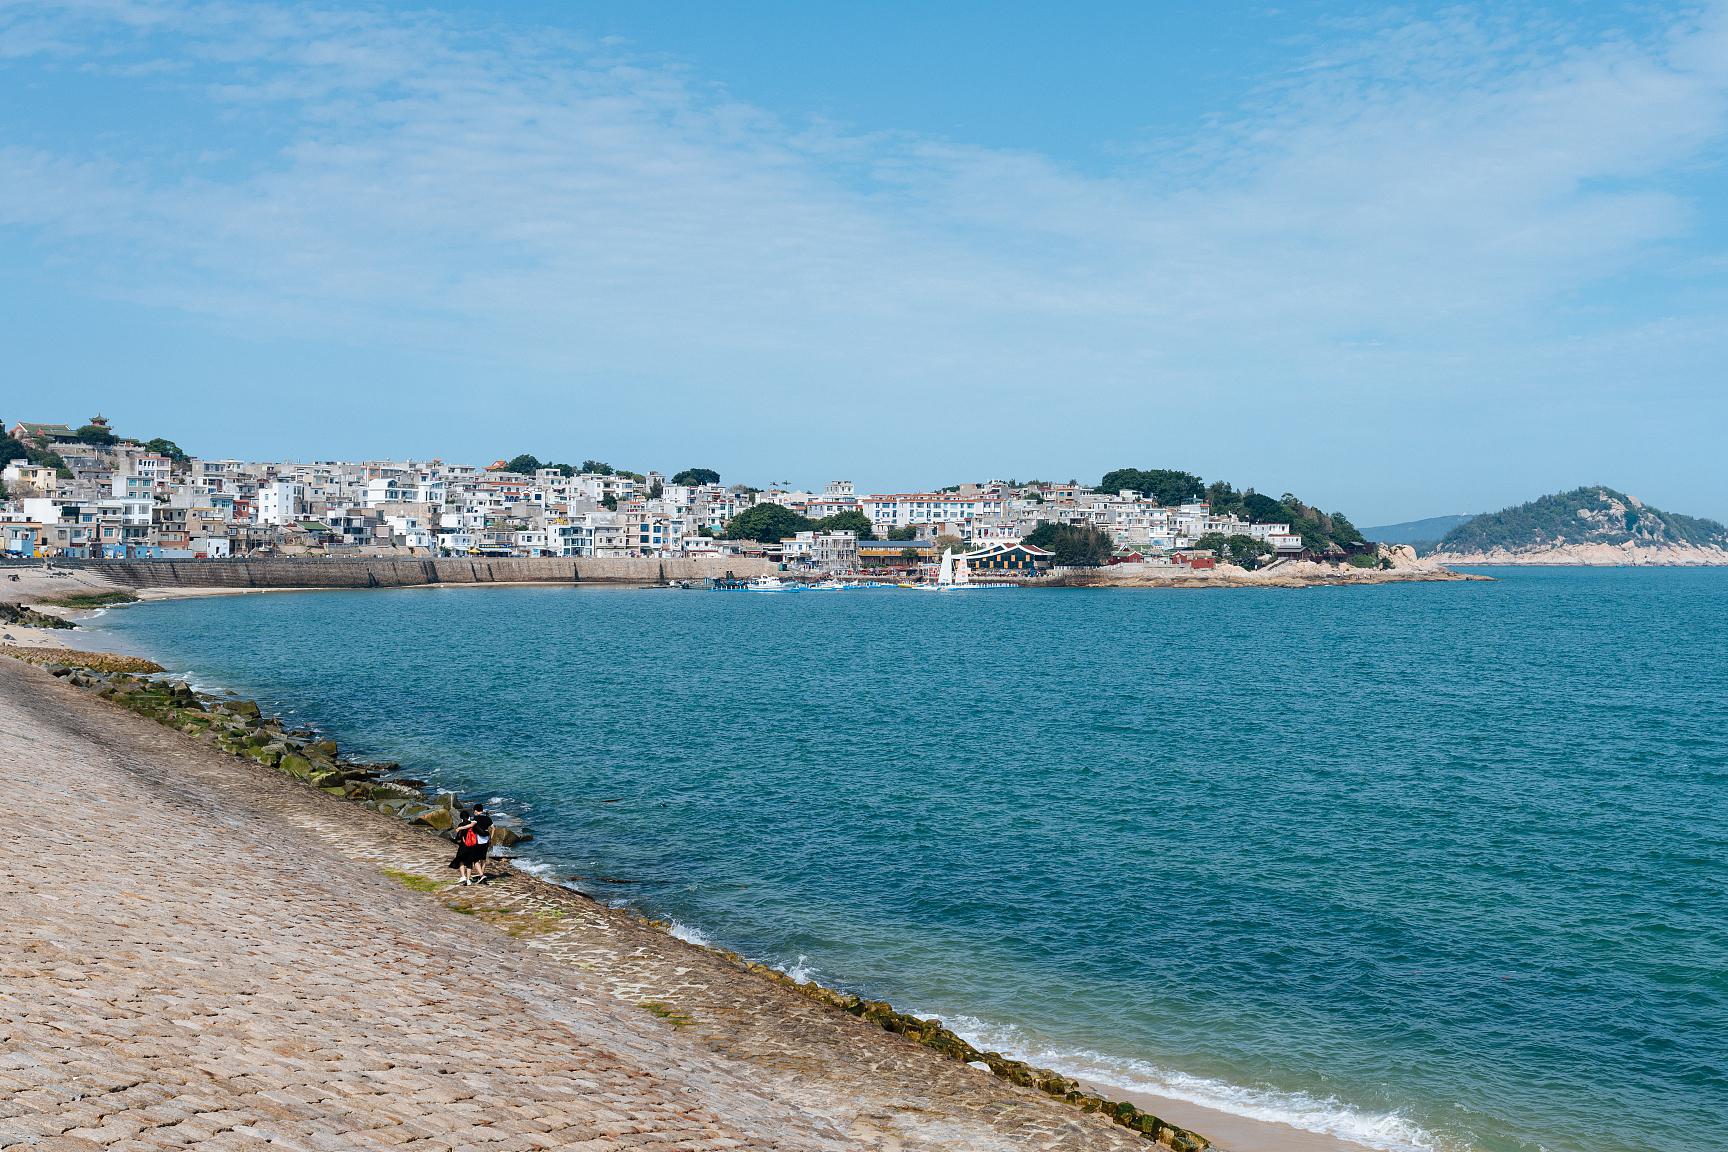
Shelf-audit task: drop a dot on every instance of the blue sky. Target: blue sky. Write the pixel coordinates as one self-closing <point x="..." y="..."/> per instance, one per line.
<point x="1401" y="261"/>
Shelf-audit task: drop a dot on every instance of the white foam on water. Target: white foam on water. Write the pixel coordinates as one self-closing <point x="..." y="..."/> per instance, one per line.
<point x="688" y="934"/>
<point x="800" y="970"/>
<point x="538" y="869"/>
<point x="1328" y="1116"/>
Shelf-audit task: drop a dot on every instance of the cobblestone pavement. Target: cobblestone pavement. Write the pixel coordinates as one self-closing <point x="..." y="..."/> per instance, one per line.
<point x="195" y="951"/>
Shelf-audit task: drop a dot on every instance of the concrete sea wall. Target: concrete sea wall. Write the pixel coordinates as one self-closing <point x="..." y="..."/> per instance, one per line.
<point x="367" y="572"/>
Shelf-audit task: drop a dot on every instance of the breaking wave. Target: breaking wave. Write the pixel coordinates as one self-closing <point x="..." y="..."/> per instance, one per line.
<point x="1329" y="1116"/>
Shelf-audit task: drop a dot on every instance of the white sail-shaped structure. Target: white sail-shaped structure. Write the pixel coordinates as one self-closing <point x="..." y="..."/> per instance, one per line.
<point x="945" y="573"/>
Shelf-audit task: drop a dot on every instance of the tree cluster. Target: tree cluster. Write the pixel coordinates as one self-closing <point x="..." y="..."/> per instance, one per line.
<point x="1318" y="529"/>
<point x="770" y="522"/>
<point x="1077" y="545"/>
<point x="1165" y="485"/>
<point x="98" y="434"/>
<point x="527" y="464"/>
<point x="1243" y="551"/>
<point x="696" y="477"/>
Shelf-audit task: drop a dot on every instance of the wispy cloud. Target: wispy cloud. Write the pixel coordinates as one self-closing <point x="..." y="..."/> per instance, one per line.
<point x="534" y="200"/>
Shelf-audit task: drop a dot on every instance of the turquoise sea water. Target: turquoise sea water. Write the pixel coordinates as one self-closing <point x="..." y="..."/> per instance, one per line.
<point x="1431" y="866"/>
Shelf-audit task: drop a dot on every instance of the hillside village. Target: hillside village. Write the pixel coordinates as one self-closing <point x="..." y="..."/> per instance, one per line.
<point x="87" y="492"/>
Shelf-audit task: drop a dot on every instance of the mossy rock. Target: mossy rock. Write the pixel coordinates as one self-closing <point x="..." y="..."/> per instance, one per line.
<point x="246" y="709"/>
<point x="296" y="766"/>
<point x="441" y="819"/>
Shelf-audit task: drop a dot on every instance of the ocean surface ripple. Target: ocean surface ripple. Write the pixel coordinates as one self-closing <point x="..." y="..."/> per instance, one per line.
<point x="1427" y="866"/>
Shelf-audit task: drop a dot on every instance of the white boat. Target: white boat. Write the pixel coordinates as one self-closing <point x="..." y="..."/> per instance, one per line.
<point x="768" y="584"/>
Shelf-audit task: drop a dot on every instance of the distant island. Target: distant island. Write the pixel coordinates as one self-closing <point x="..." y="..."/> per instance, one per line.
<point x="1589" y="525"/>
<point x="1423" y="535"/>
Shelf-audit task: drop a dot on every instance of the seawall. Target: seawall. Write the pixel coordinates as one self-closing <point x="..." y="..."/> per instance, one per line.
<point x="405" y="572"/>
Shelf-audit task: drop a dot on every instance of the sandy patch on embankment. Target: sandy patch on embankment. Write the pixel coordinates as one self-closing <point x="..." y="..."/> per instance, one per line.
<point x="1228" y="1132"/>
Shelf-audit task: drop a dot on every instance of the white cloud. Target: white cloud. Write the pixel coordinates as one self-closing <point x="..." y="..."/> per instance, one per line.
<point x="538" y="202"/>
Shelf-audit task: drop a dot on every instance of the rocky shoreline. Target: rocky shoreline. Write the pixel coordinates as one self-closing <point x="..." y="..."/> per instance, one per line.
<point x="239" y="727"/>
<point x="1592" y="555"/>
<point x="1399" y="569"/>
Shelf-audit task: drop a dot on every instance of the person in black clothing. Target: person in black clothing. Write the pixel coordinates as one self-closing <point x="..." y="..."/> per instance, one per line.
<point x="473" y="842"/>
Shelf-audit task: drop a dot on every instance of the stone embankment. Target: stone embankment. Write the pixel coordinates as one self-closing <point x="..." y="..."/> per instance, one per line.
<point x="216" y="946"/>
<point x="394" y="572"/>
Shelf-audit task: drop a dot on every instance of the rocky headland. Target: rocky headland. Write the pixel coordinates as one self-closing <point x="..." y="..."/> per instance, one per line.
<point x="1390" y="564"/>
<point x="1594" y="526"/>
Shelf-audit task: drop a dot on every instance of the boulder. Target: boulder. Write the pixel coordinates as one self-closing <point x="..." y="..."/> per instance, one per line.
<point x="505" y="836"/>
<point x="442" y="819"/>
<point x="246" y="709"/>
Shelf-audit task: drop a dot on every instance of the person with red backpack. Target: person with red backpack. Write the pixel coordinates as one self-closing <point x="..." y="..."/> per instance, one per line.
<point x="473" y="842"/>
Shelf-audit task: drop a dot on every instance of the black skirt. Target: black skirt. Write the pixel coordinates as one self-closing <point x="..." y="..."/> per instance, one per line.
<point x="469" y="854"/>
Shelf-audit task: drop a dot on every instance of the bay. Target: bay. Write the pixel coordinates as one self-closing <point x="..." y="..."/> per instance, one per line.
<point x="1432" y="866"/>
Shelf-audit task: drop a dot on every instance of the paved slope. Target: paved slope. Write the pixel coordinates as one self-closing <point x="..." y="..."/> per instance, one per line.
<point x="197" y="952"/>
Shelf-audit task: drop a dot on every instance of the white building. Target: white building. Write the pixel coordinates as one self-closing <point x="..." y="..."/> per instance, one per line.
<point x="279" y="503"/>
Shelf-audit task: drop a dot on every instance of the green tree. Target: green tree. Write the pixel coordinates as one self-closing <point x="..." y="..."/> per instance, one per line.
<point x="903" y="532"/>
<point x="692" y="477"/>
<point x="1080" y="545"/>
<point x="525" y="464"/>
<point x="11" y="450"/>
<point x="596" y="468"/>
<point x="166" y="448"/>
<point x="848" y="521"/>
<point x="43" y="458"/>
<point x="767" y="523"/>
<point x="1212" y="542"/>
<point x="609" y="502"/>
<point x="94" y="433"/>
<point x="1245" y="551"/>
<point x="1164" y="485"/>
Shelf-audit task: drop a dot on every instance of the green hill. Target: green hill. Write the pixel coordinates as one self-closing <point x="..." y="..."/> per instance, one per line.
<point x="1592" y="515"/>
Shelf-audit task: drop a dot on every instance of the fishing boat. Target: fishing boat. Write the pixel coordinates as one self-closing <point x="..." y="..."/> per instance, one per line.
<point x="770" y="584"/>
